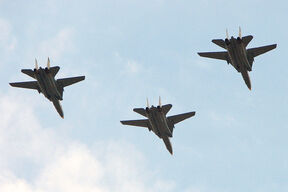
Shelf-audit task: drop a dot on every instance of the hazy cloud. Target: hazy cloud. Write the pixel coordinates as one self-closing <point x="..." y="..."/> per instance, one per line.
<point x="59" y="44"/>
<point x="7" y="39"/>
<point x="64" y="165"/>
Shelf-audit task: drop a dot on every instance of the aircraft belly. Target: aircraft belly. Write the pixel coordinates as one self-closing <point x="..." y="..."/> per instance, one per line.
<point x="233" y="58"/>
<point x="159" y="125"/>
<point x="42" y="86"/>
<point x="154" y="125"/>
<point x="244" y="63"/>
<point x="163" y="127"/>
<point x="239" y="58"/>
<point x="54" y="88"/>
<point x="49" y="86"/>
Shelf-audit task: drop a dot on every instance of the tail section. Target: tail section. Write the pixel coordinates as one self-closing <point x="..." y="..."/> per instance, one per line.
<point x="58" y="107"/>
<point x="219" y="42"/>
<point x="246" y="40"/>
<point x="166" y="108"/>
<point x="54" y="70"/>
<point x="29" y="72"/>
<point x="140" y="111"/>
<point x="168" y="144"/>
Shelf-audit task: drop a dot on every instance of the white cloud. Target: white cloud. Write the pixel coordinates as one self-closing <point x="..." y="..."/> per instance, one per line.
<point x="7" y="39"/>
<point x="132" y="67"/>
<point x="128" y="66"/>
<point x="56" y="46"/>
<point x="226" y="119"/>
<point x="59" y="164"/>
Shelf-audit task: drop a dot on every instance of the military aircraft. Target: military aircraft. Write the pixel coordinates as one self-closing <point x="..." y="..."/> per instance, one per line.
<point x="237" y="54"/>
<point x="45" y="83"/>
<point x="157" y="121"/>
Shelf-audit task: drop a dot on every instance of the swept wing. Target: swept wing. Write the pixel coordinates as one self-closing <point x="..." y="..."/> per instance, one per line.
<point x="69" y="81"/>
<point x="178" y="118"/>
<point x="27" y="85"/>
<point x="138" y="123"/>
<point x="216" y="55"/>
<point x="254" y="52"/>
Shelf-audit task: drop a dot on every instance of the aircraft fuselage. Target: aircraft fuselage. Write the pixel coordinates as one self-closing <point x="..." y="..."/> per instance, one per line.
<point x="159" y="125"/>
<point x="47" y="84"/>
<point x="158" y="122"/>
<point x="238" y="57"/>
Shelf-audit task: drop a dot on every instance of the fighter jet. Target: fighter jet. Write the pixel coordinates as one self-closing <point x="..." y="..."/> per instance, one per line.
<point x="45" y="83"/>
<point x="157" y="121"/>
<point x="241" y="58"/>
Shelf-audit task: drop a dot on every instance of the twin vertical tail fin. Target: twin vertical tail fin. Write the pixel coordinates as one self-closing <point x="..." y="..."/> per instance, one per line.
<point x="246" y="39"/>
<point x="48" y="63"/>
<point x="36" y="64"/>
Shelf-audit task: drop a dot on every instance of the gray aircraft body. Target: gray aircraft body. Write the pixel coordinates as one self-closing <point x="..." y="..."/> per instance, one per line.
<point x="45" y="83"/>
<point x="241" y="58"/>
<point x="157" y="121"/>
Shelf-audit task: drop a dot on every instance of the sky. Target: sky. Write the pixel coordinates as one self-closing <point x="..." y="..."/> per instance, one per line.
<point x="130" y="50"/>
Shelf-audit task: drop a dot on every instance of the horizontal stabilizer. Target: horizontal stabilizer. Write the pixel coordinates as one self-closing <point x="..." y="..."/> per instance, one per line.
<point x="246" y="40"/>
<point x="29" y="72"/>
<point x="216" y="55"/>
<point x="219" y="42"/>
<point x="178" y="118"/>
<point x="166" y="108"/>
<point x="69" y="81"/>
<point x="138" y="123"/>
<point x="254" y="52"/>
<point x="141" y="111"/>
<point x="54" y="70"/>
<point x="27" y="85"/>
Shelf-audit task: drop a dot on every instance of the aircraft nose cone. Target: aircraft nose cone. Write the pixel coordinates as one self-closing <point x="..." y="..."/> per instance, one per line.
<point x="168" y="145"/>
<point x="171" y="151"/>
<point x="246" y="78"/>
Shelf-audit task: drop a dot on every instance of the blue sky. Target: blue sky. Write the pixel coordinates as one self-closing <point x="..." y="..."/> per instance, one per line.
<point x="130" y="50"/>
